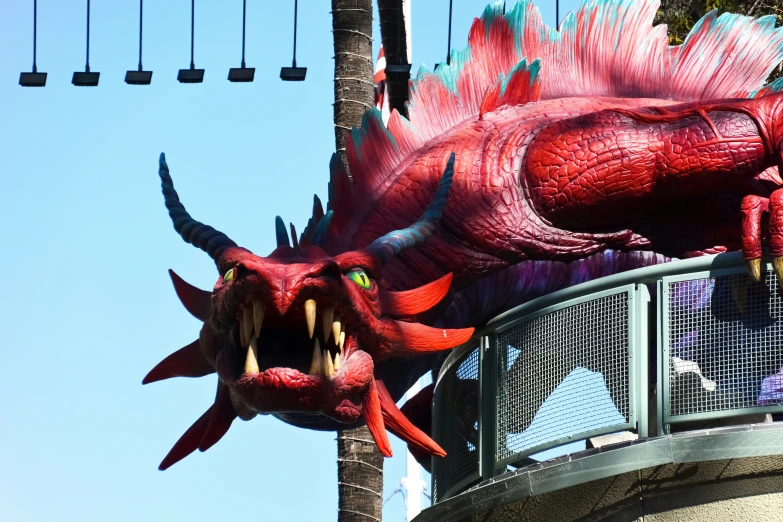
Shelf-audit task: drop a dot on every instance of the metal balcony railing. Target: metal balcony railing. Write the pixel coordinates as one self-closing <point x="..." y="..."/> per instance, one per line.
<point x="575" y="364"/>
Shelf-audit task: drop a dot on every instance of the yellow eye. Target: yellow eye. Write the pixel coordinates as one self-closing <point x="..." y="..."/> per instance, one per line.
<point x="229" y="275"/>
<point x="360" y="278"/>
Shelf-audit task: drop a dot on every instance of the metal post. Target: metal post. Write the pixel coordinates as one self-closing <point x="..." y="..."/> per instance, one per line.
<point x="448" y="52"/>
<point x="192" y="30"/>
<point x="488" y="386"/>
<point x="35" y="32"/>
<point x="244" y="17"/>
<point x="87" y="67"/>
<point x="557" y="14"/>
<point x="141" y="17"/>
<point x="296" y="6"/>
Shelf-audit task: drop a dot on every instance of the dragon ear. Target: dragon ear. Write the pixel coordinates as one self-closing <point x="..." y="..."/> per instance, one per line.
<point x="373" y="415"/>
<point x="416" y="301"/>
<point x="185" y="362"/>
<point x="388" y="246"/>
<point x="414" y="338"/>
<point x="195" y="300"/>
<point x="397" y="423"/>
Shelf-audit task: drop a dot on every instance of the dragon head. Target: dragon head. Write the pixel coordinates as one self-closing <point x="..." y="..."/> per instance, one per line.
<point x="301" y="331"/>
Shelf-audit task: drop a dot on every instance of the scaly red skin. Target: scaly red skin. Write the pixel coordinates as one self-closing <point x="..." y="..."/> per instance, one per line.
<point x="536" y="181"/>
<point x="565" y="178"/>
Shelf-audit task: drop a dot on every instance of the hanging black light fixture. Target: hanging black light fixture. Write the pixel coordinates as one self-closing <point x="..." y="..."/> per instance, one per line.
<point x="448" y="43"/>
<point x="191" y="75"/>
<point x="293" y="73"/>
<point x="242" y="74"/>
<point x="86" y="78"/>
<point x="140" y="77"/>
<point x="448" y="51"/>
<point x="35" y="78"/>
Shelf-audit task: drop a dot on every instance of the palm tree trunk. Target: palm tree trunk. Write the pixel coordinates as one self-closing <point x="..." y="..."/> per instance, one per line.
<point x="395" y="51"/>
<point x="359" y="463"/>
<point x="354" y="91"/>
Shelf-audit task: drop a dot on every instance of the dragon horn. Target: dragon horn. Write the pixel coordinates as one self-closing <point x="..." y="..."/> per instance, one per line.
<point x="194" y="232"/>
<point x="388" y="246"/>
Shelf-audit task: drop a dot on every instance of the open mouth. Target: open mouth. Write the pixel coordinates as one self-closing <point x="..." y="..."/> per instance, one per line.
<point x="284" y="342"/>
<point x="303" y="361"/>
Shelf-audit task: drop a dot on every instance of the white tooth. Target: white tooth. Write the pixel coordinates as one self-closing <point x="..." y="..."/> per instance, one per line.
<point x="329" y="366"/>
<point x="310" y="316"/>
<point x="316" y="364"/>
<point x="251" y="362"/>
<point x="337" y="362"/>
<point x="242" y="339"/>
<point x="327" y="317"/>
<point x="247" y="324"/>
<point x="342" y="341"/>
<point x="336" y="330"/>
<point x="258" y="316"/>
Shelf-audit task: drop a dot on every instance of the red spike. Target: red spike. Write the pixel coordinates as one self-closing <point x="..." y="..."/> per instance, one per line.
<point x="398" y="423"/>
<point x="196" y="301"/>
<point x="188" y="442"/>
<point x="416" y="301"/>
<point x="185" y="362"/>
<point x="415" y="338"/>
<point x="371" y="410"/>
<point x="223" y="415"/>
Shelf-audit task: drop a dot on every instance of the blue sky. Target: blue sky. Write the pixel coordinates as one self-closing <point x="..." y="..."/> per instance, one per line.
<point x="88" y="308"/>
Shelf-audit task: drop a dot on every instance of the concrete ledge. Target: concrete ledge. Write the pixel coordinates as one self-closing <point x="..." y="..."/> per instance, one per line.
<point x="685" y="476"/>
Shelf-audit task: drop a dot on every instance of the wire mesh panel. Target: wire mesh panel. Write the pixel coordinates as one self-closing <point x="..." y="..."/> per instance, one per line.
<point x="725" y="346"/>
<point x="564" y="375"/>
<point x="455" y="424"/>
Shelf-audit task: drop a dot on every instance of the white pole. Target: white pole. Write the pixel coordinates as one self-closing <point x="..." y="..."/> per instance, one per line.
<point x="413" y="483"/>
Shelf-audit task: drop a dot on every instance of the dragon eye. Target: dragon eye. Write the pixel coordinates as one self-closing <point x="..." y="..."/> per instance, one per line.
<point x="229" y="275"/>
<point x="360" y="278"/>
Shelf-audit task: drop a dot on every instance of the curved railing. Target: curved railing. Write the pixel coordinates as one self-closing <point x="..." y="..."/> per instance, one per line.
<point x="579" y="363"/>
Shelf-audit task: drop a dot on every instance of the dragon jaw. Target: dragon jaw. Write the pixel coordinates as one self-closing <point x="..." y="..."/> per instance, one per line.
<point x="300" y="331"/>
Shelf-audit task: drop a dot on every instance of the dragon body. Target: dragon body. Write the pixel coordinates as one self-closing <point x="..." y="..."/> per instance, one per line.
<point x="537" y="159"/>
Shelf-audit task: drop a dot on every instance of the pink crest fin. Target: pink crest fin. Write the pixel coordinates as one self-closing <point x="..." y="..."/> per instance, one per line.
<point x="521" y="86"/>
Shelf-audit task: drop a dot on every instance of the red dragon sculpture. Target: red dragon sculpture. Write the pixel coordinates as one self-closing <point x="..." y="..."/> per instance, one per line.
<point x="571" y="154"/>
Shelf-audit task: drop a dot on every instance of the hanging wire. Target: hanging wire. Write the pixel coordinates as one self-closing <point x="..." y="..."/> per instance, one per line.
<point x="244" y="15"/>
<point x="87" y="67"/>
<point x="141" y="18"/>
<point x="557" y="14"/>
<point x="448" y="52"/>
<point x="296" y="8"/>
<point x="35" y="32"/>
<point x="192" y="30"/>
